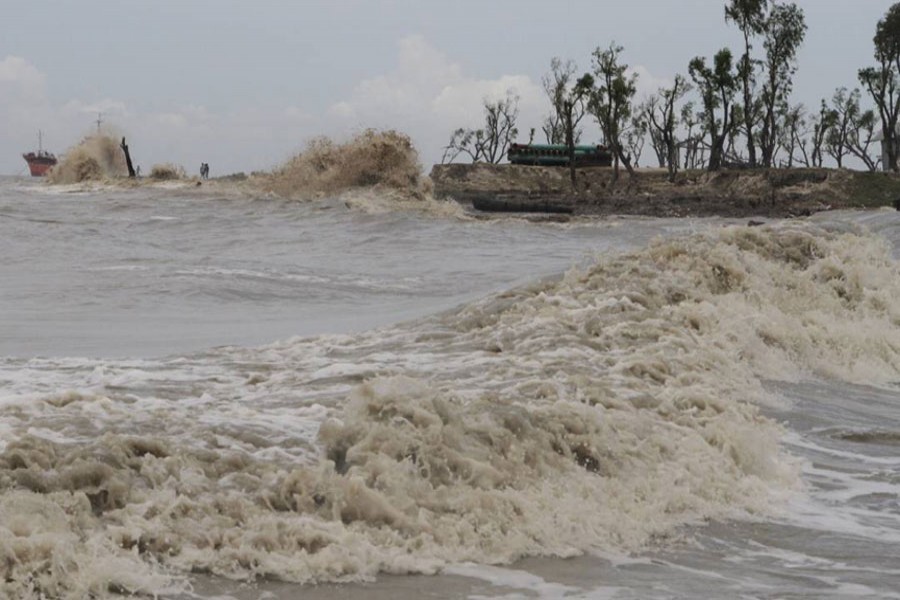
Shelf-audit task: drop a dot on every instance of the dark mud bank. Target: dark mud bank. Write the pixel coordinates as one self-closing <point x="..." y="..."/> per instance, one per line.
<point x="769" y="193"/>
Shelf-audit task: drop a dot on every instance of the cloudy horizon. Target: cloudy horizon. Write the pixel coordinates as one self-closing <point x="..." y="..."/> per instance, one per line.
<point x="244" y="87"/>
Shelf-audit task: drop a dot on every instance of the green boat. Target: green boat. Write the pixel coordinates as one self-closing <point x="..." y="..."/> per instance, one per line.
<point x="557" y="155"/>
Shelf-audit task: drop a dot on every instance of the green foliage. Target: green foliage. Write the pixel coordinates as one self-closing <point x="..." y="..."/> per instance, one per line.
<point x="784" y="31"/>
<point x="887" y="36"/>
<point x="562" y="88"/>
<point x="610" y="100"/>
<point x="881" y="81"/>
<point x="750" y="17"/>
<point x="717" y="86"/>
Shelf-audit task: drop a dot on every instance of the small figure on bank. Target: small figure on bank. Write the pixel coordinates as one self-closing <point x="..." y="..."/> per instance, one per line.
<point x="204" y="170"/>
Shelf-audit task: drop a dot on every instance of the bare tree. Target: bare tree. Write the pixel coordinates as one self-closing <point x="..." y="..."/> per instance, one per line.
<point x="821" y="123"/>
<point x="574" y="105"/>
<point x="843" y="114"/>
<point x="647" y="108"/>
<point x="461" y="142"/>
<point x="694" y="147"/>
<point x="662" y="120"/>
<point x="634" y="138"/>
<point x="793" y="136"/>
<point x="490" y="143"/>
<point x="558" y="85"/>
<point x="861" y="137"/>
<point x="500" y="127"/>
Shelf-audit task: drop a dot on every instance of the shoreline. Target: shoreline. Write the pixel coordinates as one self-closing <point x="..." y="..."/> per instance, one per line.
<point x="773" y="193"/>
<point x="545" y="193"/>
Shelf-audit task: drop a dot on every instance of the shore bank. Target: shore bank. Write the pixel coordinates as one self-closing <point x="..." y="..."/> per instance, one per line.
<point x="772" y="193"/>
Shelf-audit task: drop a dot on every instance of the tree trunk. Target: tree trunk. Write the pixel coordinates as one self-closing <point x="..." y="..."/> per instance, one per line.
<point x="131" y="172"/>
<point x="570" y="143"/>
<point x="625" y="161"/>
<point x="748" y="103"/>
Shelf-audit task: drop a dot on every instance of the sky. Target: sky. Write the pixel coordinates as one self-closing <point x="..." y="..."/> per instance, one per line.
<point x="244" y="85"/>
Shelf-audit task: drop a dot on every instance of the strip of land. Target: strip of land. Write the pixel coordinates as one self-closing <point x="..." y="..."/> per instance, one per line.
<point x="772" y="193"/>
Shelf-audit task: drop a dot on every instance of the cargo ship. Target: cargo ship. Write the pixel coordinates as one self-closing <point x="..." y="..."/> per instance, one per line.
<point x="39" y="162"/>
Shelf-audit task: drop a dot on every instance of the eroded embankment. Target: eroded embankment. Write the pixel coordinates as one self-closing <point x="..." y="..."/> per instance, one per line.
<point x="744" y="193"/>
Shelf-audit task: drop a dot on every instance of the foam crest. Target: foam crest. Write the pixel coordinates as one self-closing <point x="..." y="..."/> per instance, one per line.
<point x="601" y="410"/>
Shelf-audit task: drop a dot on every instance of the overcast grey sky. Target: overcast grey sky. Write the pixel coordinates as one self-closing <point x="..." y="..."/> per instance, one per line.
<point x="242" y="85"/>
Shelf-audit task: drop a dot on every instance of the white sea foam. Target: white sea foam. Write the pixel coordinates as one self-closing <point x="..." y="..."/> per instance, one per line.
<point x="600" y="410"/>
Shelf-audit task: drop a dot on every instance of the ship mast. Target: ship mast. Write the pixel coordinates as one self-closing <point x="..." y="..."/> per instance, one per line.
<point x="40" y="142"/>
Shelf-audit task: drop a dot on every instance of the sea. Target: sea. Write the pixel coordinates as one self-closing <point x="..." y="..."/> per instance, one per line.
<point x="207" y="392"/>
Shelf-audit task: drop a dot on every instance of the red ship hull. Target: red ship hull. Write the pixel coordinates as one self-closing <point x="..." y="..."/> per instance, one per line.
<point x="39" y="164"/>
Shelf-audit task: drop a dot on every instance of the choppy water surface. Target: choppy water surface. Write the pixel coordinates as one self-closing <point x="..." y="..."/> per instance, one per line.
<point x="198" y="389"/>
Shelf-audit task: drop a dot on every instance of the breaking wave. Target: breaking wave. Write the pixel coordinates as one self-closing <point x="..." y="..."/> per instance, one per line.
<point x="95" y="158"/>
<point x="167" y="172"/>
<point x="603" y="409"/>
<point x="383" y="159"/>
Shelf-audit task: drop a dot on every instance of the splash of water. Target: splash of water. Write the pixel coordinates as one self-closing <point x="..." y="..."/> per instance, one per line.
<point x="383" y="159"/>
<point x="95" y="158"/>
<point x="166" y="172"/>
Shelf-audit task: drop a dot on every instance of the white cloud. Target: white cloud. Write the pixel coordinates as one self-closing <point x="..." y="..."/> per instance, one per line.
<point x="342" y="110"/>
<point x="463" y="102"/>
<point x="427" y="96"/>
<point x="647" y="83"/>
<point x="106" y="107"/>
<point x="19" y="78"/>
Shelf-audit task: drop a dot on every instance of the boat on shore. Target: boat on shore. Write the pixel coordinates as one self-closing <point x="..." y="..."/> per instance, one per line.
<point x="41" y="161"/>
<point x="557" y="155"/>
<point x="521" y="204"/>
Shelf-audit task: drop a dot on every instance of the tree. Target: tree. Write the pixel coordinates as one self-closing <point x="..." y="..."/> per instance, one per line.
<point x="500" y="129"/>
<point x="574" y="105"/>
<point x="662" y="121"/>
<point x="647" y="108"/>
<point x="634" y="138"/>
<point x="558" y="85"/>
<point x="128" y="163"/>
<point x="694" y="150"/>
<point x="820" y="126"/>
<point x="843" y="116"/>
<point x="860" y="138"/>
<point x="784" y="31"/>
<point x="492" y="141"/>
<point x="717" y="86"/>
<point x="610" y="101"/>
<point x="793" y="136"/>
<point x="881" y="81"/>
<point x="750" y="17"/>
